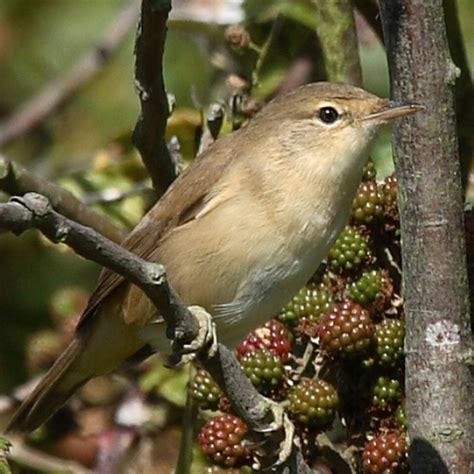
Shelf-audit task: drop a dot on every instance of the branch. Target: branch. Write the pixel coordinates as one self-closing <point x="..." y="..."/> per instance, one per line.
<point x="338" y="39"/>
<point x="15" y="180"/>
<point x="149" y="133"/>
<point x="30" y="114"/>
<point x="35" y="211"/>
<point x="439" y="385"/>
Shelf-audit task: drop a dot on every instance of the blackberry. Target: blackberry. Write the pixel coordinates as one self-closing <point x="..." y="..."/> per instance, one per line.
<point x="369" y="173"/>
<point x="386" y="391"/>
<point x="384" y="454"/>
<point x="401" y="417"/>
<point x="273" y="336"/>
<point x="389" y="189"/>
<point x="264" y="369"/>
<point x="389" y="339"/>
<point x="346" y="330"/>
<point x="373" y="289"/>
<point x="368" y="203"/>
<point x="221" y="439"/>
<point x="349" y="251"/>
<point x="205" y="391"/>
<point x="308" y="305"/>
<point x="313" y="402"/>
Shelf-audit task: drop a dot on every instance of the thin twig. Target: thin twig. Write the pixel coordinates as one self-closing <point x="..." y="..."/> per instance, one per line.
<point x="15" y="180"/>
<point x="35" y="211"/>
<point x="149" y="133"/>
<point x="33" y="112"/>
<point x="39" y="461"/>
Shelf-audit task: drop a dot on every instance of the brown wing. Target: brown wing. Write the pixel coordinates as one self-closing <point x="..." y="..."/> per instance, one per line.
<point x="178" y="205"/>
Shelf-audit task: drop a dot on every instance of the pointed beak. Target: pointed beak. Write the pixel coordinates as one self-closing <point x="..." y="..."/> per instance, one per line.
<point x="394" y="110"/>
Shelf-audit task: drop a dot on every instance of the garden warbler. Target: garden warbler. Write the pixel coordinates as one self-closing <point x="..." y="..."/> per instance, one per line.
<point x="239" y="232"/>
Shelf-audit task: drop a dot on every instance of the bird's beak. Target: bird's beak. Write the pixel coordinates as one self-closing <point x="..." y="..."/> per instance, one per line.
<point x="393" y="110"/>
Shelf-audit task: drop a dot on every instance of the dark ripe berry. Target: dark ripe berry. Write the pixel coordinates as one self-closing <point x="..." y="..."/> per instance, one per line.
<point x="369" y="173"/>
<point x="368" y="203"/>
<point x="308" y="305"/>
<point x="389" y="189"/>
<point x="386" y="391"/>
<point x="401" y="417"/>
<point x="384" y="454"/>
<point x="221" y="439"/>
<point x="273" y="336"/>
<point x="313" y="402"/>
<point x="389" y="340"/>
<point x="349" y="251"/>
<point x="264" y="369"/>
<point x="346" y="330"/>
<point x="373" y="289"/>
<point x="205" y="391"/>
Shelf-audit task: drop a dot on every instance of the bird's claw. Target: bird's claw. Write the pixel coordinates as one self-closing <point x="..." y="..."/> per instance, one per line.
<point x="206" y="339"/>
<point x="281" y="421"/>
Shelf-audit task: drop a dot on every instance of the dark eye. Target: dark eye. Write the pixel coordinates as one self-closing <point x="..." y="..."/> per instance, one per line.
<point x="328" y="114"/>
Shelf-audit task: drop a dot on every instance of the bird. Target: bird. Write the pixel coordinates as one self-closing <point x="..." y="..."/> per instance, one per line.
<point x="239" y="232"/>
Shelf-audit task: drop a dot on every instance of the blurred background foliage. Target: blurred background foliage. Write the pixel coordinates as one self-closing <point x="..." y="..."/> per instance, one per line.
<point x="86" y="144"/>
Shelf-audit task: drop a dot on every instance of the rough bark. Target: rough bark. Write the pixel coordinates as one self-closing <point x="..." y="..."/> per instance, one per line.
<point x="439" y="384"/>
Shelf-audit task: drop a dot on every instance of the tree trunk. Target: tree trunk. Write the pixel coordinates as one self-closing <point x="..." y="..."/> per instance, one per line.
<point x="439" y="384"/>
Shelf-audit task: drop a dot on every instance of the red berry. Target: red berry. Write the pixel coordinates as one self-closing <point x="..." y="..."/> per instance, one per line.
<point x="384" y="454"/>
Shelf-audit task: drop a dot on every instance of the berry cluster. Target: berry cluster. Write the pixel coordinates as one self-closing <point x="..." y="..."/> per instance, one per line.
<point x="350" y="313"/>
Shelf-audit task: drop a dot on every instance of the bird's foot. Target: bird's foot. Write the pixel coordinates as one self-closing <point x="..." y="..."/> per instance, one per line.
<point x="280" y="422"/>
<point x="206" y="340"/>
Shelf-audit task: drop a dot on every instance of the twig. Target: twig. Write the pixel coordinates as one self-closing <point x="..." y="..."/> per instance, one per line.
<point x="47" y="101"/>
<point x="149" y="133"/>
<point x="15" y="180"/>
<point x="338" y="38"/>
<point x="439" y="383"/>
<point x="35" y="211"/>
<point x="32" y="458"/>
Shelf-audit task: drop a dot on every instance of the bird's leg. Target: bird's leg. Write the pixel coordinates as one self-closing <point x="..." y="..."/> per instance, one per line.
<point x="205" y="340"/>
<point x="280" y="422"/>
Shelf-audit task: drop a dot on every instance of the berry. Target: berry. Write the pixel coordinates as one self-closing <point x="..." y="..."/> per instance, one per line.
<point x="373" y="289"/>
<point x="349" y="251"/>
<point x="221" y="439"/>
<point x="313" y="402"/>
<point x="389" y="338"/>
<point x="264" y="369"/>
<point x="386" y="391"/>
<point x="384" y="454"/>
<point x="308" y="305"/>
<point x="369" y="173"/>
<point x="273" y="336"/>
<point x="205" y="391"/>
<point x="368" y="203"/>
<point x="346" y="330"/>
<point x="401" y="417"/>
<point x="389" y="189"/>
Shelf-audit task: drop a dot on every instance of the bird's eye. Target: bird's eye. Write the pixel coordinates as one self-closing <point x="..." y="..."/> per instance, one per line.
<point x="328" y="114"/>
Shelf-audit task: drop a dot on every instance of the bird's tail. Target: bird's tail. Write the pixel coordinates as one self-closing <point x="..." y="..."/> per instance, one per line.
<point x="51" y="393"/>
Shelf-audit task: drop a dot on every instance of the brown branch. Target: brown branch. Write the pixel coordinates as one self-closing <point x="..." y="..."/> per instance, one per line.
<point x="15" y="180"/>
<point x="149" y="133"/>
<point x="35" y="211"/>
<point x="47" y="101"/>
<point x="439" y="384"/>
<point x="338" y="39"/>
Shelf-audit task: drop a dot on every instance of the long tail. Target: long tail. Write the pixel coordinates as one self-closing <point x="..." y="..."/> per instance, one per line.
<point x="51" y="393"/>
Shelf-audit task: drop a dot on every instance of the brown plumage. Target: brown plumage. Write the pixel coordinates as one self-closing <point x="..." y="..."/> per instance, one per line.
<point x="239" y="232"/>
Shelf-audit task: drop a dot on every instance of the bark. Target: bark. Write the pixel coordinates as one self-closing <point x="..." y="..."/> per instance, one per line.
<point x="439" y="383"/>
